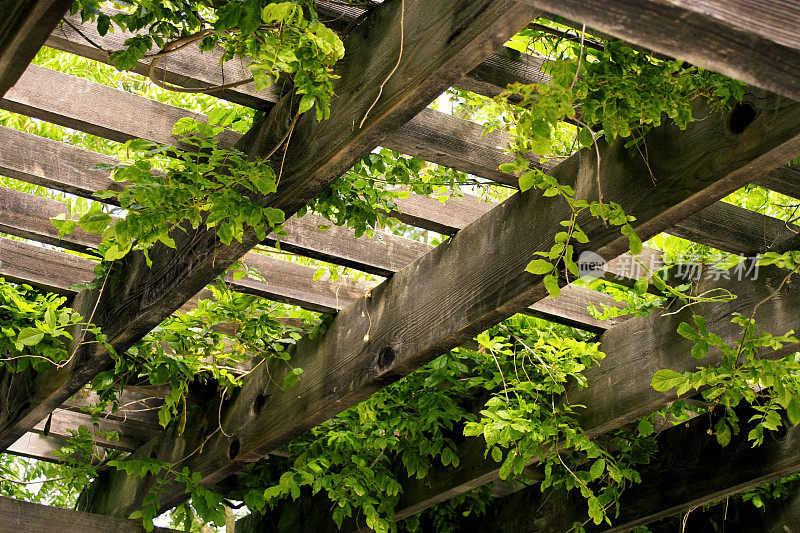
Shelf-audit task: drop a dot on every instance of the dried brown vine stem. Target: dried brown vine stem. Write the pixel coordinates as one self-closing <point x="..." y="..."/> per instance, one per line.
<point x="177" y="45"/>
<point x="396" y="65"/>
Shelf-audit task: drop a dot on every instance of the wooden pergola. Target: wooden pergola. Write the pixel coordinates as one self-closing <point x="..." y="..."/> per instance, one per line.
<point x="434" y="298"/>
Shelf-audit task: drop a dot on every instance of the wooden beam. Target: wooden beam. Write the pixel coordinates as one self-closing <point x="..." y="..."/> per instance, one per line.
<point x="618" y="393"/>
<point x="748" y="40"/>
<point x="478" y="279"/>
<point x="140" y="297"/>
<point x="26" y="517"/>
<point x="190" y="68"/>
<point x="131" y="434"/>
<point x="25" y="26"/>
<point x="686" y="454"/>
<point x="430" y="135"/>
<point x="780" y="515"/>
<point x="27" y="216"/>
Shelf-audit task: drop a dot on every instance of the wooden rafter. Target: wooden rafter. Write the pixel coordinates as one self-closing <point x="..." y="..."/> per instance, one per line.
<point x="25" y="517"/>
<point x="619" y="390"/>
<point x="748" y="40"/>
<point x="454" y="292"/>
<point x="671" y="483"/>
<point x="27" y="216"/>
<point x="142" y="297"/>
<point x="24" y="27"/>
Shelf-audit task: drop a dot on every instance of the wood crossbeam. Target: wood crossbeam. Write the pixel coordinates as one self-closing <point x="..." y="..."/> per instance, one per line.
<point x="26" y="517"/>
<point x="477" y="280"/>
<point x="748" y="40"/>
<point x="36" y="159"/>
<point x="25" y="26"/>
<point x="139" y="299"/>
<point x="690" y="469"/>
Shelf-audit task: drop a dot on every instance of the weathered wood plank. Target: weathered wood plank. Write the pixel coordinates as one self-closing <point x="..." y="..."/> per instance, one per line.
<point x="454" y="292"/>
<point x="190" y="68"/>
<point x="24" y="28"/>
<point x="36" y="446"/>
<point x="26" y="517"/>
<point x="669" y="484"/>
<point x="430" y="135"/>
<point x="25" y="215"/>
<point x="140" y="298"/>
<point x="131" y="434"/>
<point x="749" y="40"/>
<point x="777" y="516"/>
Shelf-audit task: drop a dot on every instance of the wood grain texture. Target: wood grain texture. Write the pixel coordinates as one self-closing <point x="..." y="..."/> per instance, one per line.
<point x="26" y="517"/>
<point x="619" y="390"/>
<point x="27" y="216"/>
<point x="778" y="516"/>
<point x="754" y="41"/>
<point x="131" y="434"/>
<point x="23" y="30"/>
<point x="137" y="297"/>
<point x="670" y="483"/>
<point x="478" y="279"/>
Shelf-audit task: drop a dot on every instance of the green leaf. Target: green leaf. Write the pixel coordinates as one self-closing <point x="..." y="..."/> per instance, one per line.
<point x="539" y="266"/>
<point x="30" y="336"/>
<point x="551" y="284"/>
<point x="666" y="379"/>
<point x="527" y="180"/>
<point x="793" y="411"/>
<point x="634" y="243"/>
<point x="306" y="103"/>
<point x="597" y="469"/>
<point x="94" y="222"/>
<point x="645" y="428"/>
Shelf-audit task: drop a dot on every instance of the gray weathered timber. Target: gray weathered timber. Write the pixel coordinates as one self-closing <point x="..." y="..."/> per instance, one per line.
<point x="26" y="517"/>
<point x="137" y="297"/>
<point x="478" y="279"/>
<point x="190" y="68"/>
<point x="37" y="446"/>
<point x="430" y="135"/>
<point x="131" y="433"/>
<point x="23" y="30"/>
<point x="732" y="514"/>
<point x="618" y="393"/>
<point x="427" y="142"/>
<point x="690" y="469"/>
<point x="27" y="216"/>
<point x="750" y="40"/>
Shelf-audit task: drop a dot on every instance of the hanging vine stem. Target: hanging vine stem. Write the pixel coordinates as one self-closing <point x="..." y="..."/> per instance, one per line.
<point x="396" y="66"/>
<point x="176" y="45"/>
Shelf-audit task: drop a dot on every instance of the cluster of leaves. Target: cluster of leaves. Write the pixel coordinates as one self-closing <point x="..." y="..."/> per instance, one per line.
<point x="207" y="185"/>
<point x="744" y="374"/>
<point x="365" y="197"/>
<point x="519" y="373"/>
<point x="273" y="37"/>
<point x="36" y="328"/>
<point x="530" y="419"/>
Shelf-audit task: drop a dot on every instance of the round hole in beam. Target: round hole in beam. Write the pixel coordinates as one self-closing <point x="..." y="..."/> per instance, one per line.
<point x="259" y="402"/>
<point x="742" y="116"/>
<point x="386" y="357"/>
<point x="233" y="449"/>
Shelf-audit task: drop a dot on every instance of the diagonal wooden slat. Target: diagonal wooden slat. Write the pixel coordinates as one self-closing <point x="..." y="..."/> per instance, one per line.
<point x="669" y="483"/>
<point x="749" y="40"/>
<point x="27" y="216"/>
<point x="25" y="26"/>
<point x="478" y="279"/>
<point x="26" y="517"/>
<point x="141" y="297"/>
